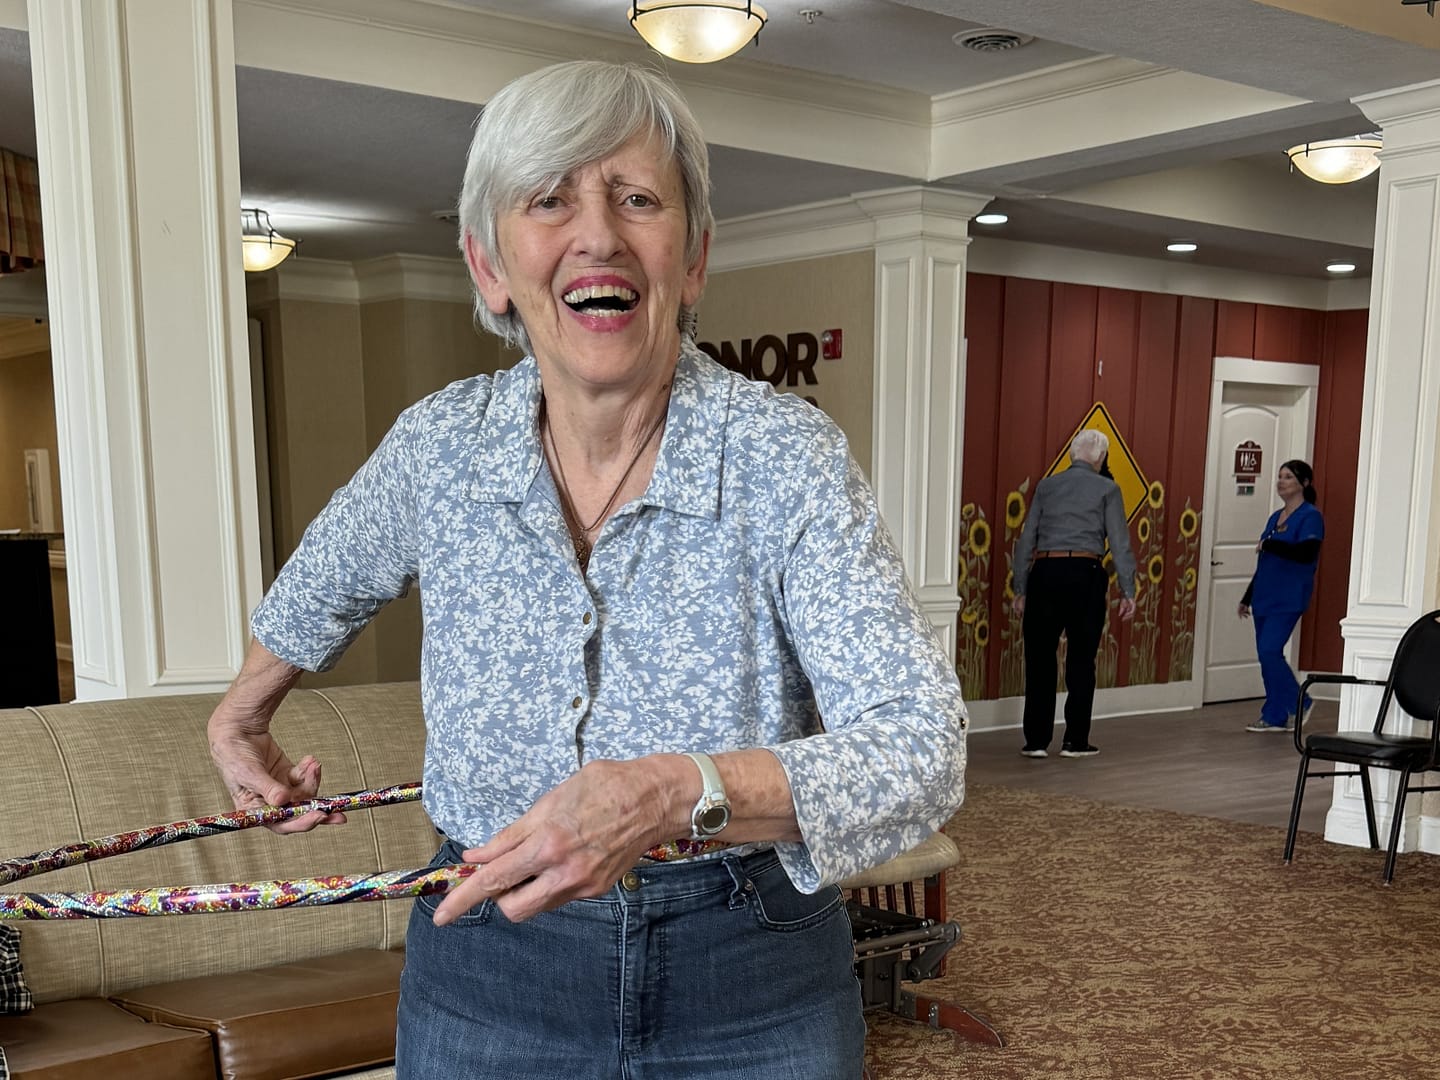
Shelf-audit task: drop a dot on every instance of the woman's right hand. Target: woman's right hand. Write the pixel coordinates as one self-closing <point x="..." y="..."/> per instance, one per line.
<point x="1243" y="611"/>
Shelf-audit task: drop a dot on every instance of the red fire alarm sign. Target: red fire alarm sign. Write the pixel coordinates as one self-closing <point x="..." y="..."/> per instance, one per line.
<point x="831" y="342"/>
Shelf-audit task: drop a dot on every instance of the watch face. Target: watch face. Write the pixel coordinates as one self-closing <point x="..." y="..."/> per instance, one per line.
<point x="712" y="819"/>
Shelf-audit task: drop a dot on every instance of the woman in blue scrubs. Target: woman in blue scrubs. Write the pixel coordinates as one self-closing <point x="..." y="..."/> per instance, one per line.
<point x="1281" y="589"/>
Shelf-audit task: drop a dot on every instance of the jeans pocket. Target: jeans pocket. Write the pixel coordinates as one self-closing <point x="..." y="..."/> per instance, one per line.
<point x="449" y="855"/>
<point x="780" y="907"/>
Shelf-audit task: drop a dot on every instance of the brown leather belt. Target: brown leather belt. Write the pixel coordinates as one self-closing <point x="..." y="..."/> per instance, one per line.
<point x="1066" y="555"/>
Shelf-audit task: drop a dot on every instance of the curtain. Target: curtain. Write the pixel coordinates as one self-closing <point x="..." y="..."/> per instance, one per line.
<point x="20" y="245"/>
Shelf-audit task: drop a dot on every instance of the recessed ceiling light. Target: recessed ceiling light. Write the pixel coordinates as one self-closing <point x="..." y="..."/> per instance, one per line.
<point x="1340" y="267"/>
<point x="1181" y="246"/>
<point x="991" y="219"/>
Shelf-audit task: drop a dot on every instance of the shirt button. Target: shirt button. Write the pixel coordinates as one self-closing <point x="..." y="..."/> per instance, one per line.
<point x="585" y="618"/>
<point x="575" y="703"/>
<point x="631" y="881"/>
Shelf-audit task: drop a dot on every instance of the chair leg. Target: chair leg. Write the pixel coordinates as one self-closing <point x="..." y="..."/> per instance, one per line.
<point x="1395" y="824"/>
<point x="1295" y="806"/>
<point x="1369" y="807"/>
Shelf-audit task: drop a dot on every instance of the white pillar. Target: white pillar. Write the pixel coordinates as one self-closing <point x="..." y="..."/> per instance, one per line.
<point x="1397" y="528"/>
<point x="921" y="241"/>
<point x="140" y="183"/>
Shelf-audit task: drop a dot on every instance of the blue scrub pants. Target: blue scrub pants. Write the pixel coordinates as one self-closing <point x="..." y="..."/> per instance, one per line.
<point x="1281" y="688"/>
<point x="710" y="970"/>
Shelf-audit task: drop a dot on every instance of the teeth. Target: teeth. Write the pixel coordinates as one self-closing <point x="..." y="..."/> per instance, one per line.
<point x="596" y="292"/>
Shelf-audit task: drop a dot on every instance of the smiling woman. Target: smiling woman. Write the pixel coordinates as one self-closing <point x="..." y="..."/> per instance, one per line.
<point x="645" y="579"/>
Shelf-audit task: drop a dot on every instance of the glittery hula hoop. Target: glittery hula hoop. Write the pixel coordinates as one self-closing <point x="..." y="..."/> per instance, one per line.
<point x="234" y="896"/>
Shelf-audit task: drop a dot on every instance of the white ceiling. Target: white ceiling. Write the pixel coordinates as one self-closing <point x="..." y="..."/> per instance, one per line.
<point x="358" y="170"/>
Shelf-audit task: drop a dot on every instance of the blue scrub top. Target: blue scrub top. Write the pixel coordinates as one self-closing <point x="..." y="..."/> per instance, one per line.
<point x="1282" y="585"/>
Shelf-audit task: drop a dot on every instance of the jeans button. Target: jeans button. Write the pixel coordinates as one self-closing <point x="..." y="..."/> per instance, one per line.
<point x="631" y="881"/>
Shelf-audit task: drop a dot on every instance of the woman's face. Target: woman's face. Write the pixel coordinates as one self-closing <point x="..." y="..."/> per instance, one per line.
<point x="597" y="269"/>
<point x="1286" y="486"/>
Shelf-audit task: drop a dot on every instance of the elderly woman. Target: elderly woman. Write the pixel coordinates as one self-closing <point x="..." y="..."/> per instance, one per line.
<point x="644" y="581"/>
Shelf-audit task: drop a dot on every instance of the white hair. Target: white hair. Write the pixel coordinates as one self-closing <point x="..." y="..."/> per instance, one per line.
<point x="548" y="124"/>
<point x="1089" y="446"/>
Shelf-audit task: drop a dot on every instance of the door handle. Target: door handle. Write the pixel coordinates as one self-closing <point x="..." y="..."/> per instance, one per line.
<point x="1217" y="562"/>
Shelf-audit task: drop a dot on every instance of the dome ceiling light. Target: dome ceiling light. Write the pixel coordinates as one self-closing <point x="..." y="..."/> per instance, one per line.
<point x="263" y="248"/>
<point x="697" y="31"/>
<point x="1337" y="161"/>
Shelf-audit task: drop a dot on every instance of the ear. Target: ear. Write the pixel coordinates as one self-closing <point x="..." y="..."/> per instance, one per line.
<point x="488" y="280"/>
<point x="695" y="276"/>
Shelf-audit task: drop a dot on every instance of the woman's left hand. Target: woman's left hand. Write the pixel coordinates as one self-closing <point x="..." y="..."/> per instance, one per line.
<point x="576" y="841"/>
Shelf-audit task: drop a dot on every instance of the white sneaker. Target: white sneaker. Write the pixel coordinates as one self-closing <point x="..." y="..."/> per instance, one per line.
<point x="1034" y="753"/>
<point x="1261" y="725"/>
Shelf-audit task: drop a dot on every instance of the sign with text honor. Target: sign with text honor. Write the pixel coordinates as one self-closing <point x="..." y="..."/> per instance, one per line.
<point x="1123" y="466"/>
<point x="782" y="362"/>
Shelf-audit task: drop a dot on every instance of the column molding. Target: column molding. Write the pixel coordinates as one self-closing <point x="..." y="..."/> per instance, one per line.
<point x="139" y="166"/>
<point x="1397" y="526"/>
<point x="920" y="240"/>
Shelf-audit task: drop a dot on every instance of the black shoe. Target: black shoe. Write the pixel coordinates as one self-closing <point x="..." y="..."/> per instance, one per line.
<point x="1078" y="751"/>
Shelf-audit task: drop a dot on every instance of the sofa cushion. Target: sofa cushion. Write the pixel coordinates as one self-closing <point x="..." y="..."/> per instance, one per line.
<point x="310" y="1018"/>
<point x="88" y="1038"/>
<point x="14" y="994"/>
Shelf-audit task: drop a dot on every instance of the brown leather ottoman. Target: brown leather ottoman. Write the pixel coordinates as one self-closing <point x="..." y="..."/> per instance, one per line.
<point x="311" y="1018"/>
<point x="88" y="1038"/>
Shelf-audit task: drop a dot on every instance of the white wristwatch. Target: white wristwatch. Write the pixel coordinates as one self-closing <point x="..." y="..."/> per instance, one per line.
<point x="712" y="812"/>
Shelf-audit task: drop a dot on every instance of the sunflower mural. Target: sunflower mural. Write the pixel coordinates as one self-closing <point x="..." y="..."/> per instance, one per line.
<point x="1150" y="562"/>
<point x="1012" y="641"/>
<point x="973" y="585"/>
<point x="1182" y="606"/>
<point x="1107" y="658"/>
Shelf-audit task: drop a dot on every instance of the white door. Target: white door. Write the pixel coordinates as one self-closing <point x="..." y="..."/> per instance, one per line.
<point x="1276" y="418"/>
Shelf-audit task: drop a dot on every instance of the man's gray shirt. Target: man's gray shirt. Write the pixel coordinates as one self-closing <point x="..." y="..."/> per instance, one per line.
<point x="1076" y="510"/>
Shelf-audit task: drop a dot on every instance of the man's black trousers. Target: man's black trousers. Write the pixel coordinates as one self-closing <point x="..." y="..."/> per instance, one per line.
<point x="1062" y="594"/>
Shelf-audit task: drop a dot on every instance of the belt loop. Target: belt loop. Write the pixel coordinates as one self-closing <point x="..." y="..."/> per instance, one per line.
<point x="741" y="880"/>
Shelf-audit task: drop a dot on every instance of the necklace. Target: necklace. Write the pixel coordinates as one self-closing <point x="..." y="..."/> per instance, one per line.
<point x="580" y="533"/>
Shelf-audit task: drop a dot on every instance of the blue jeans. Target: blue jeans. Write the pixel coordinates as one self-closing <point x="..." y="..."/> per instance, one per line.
<point x="1281" y="687"/>
<point x="713" y="970"/>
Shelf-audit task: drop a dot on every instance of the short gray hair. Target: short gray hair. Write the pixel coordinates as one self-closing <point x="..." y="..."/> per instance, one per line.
<point x="1089" y="446"/>
<point x="544" y="126"/>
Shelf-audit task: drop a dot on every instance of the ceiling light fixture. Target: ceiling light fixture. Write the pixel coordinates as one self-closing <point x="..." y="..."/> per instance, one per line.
<point x="991" y="219"/>
<point x="1337" y="161"/>
<point x="263" y="248"/>
<point x="1340" y="267"/>
<point x="1180" y="247"/>
<point x="697" y="31"/>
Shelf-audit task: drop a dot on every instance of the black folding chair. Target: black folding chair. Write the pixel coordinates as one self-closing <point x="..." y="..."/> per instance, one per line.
<point x="1413" y="683"/>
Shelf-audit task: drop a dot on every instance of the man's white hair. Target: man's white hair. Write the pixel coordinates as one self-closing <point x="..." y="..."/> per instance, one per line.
<point x="1089" y="446"/>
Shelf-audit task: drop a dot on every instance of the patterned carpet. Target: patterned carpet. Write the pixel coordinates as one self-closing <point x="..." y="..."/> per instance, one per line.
<point x="1110" y="942"/>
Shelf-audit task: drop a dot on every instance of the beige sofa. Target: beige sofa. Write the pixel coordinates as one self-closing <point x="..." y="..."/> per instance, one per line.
<point x="272" y="994"/>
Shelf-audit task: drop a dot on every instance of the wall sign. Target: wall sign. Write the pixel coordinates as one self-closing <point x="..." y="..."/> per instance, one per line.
<point x="1249" y="456"/>
<point x="789" y="361"/>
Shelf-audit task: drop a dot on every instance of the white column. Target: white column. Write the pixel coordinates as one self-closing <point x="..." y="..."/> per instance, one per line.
<point x="140" y="183"/>
<point x="921" y="238"/>
<point x="1397" y="529"/>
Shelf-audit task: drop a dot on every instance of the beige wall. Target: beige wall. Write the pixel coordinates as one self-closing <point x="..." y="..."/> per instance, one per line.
<point x="27" y="420"/>
<point x="337" y="376"/>
<point x="806" y="297"/>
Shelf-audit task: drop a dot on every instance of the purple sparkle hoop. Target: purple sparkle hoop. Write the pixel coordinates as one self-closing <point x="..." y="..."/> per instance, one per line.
<point x="231" y="896"/>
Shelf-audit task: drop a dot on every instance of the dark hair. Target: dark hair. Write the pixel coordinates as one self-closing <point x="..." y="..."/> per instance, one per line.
<point x="1302" y="472"/>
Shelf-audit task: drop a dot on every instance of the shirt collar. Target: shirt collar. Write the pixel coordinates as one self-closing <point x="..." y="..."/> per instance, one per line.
<point x="687" y="471"/>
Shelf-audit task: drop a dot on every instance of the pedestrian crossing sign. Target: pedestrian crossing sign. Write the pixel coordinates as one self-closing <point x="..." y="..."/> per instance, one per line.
<point x="1134" y="488"/>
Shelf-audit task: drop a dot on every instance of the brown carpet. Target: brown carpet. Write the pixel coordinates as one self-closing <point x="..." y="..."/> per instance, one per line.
<point x="1108" y="941"/>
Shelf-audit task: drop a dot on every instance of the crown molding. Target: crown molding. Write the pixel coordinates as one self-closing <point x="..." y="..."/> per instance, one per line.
<point x="1040" y="87"/>
<point x="326" y="281"/>
<point x="413" y="277"/>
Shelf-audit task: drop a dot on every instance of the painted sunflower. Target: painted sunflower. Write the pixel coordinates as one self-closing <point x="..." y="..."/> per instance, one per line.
<point x="1156" y="568"/>
<point x="980" y="536"/>
<point x="982" y="634"/>
<point x="1143" y="530"/>
<point x="1189" y="522"/>
<point x="1190" y="577"/>
<point x="963" y="574"/>
<point x="1155" y="495"/>
<point x="969" y="615"/>
<point x="1009" y="585"/>
<point x="1014" y="510"/>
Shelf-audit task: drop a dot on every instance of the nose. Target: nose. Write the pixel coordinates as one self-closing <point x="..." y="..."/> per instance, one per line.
<point x="596" y="229"/>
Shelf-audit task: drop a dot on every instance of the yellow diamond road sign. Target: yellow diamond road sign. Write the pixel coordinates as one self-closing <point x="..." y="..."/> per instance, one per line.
<point x="1133" y="485"/>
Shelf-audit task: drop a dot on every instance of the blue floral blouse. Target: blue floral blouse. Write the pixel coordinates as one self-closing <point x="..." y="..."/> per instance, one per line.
<point x="752" y="590"/>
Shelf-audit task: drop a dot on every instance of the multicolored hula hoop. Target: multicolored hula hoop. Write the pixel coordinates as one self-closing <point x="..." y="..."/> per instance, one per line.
<point x="233" y="896"/>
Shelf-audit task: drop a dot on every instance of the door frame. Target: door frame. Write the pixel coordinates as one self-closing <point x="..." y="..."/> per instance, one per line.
<point x="1234" y="369"/>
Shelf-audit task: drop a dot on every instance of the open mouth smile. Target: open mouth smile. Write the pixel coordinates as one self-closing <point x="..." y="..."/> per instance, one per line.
<point x="602" y="301"/>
